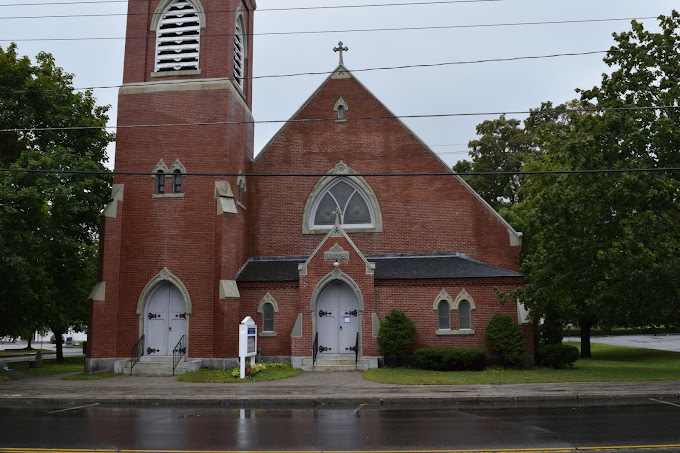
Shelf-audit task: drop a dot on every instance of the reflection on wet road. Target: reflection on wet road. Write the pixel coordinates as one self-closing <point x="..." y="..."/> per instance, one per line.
<point x="364" y="428"/>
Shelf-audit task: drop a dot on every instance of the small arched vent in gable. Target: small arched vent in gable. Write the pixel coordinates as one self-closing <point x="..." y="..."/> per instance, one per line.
<point x="178" y="37"/>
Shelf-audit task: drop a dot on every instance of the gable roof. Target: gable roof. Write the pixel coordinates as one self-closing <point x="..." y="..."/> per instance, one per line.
<point x="341" y="72"/>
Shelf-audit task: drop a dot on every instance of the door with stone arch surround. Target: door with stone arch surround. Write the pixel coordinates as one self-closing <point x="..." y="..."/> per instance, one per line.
<point x="337" y="319"/>
<point x="165" y="319"/>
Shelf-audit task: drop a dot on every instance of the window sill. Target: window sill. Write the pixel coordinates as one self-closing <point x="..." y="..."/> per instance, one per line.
<point x="241" y="205"/>
<point x="267" y="334"/>
<point x="185" y="72"/>
<point x="445" y="332"/>
<point x="341" y="120"/>
<point x="168" y="195"/>
<point x="346" y="229"/>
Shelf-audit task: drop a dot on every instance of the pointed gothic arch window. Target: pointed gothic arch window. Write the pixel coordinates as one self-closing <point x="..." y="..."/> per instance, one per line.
<point x="160" y="182"/>
<point x="342" y="188"/>
<point x="350" y="199"/>
<point x="464" y="321"/>
<point x="444" y="310"/>
<point x="268" y="307"/>
<point x="178" y="37"/>
<point x="239" y="51"/>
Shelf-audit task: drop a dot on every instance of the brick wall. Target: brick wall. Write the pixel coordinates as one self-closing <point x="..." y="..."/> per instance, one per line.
<point x="416" y="298"/>
<point x="420" y="213"/>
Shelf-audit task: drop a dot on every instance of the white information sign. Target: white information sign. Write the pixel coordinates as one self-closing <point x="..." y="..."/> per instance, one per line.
<point x="247" y="343"/>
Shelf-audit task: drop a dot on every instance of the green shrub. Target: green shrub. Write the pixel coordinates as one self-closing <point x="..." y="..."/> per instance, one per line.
<point x="558" y="355"/>
<point x="396" y="337"/>
<point x="449" y="359"/>
<point x="505" y="339"/>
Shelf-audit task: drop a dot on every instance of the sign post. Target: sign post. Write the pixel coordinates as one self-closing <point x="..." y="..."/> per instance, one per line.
<point x="247" y="343"/>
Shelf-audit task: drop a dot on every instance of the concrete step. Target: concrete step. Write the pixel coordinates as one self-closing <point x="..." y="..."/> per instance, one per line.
<point x="158" y="366"/>
<point x="339" y="364"/>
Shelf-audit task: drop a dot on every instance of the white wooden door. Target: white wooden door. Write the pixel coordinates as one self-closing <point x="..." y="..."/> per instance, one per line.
<point x="337" y="320"/>
<point x="164" y="320"/>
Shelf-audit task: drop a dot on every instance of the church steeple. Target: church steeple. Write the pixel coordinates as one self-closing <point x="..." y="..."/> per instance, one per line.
<point x="185" y="98"/>
<point x="204" y="39"/>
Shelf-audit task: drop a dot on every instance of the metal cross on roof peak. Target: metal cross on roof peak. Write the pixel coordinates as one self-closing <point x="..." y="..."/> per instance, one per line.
<point x="341" y="49"/>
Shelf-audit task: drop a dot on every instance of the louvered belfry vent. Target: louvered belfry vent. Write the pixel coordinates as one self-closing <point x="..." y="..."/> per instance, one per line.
<point x="239" y="52"/>
<point x="178" y="38"/>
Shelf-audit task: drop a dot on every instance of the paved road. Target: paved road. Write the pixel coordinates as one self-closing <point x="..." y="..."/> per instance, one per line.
<point x="661" y="342"/>
<point x="365" y="427"/>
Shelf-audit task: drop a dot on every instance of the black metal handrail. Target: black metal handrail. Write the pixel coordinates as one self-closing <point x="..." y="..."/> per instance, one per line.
<point x="315" y="348"/>
<point x="136" y="352"/>
<point x="356" y="353"/>
<point x="178" y="352"/>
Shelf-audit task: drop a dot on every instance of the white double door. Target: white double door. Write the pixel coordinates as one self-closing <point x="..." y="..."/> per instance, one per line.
<point x="165" y="320"/>
<point x="337" y="320"/>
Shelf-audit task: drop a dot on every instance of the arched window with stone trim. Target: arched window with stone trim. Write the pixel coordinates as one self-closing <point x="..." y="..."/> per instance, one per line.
<point x="178" y="36"/>
<point x="345" y="195"/>
<point x="353" y="205"/>
<point x="177" y="181"/>
<point x="239" y="51"/>
<point x="268" y="318"/>
<point x="464" y="318"/>
<point x="160" y="182"/>
<point x="268" y="308"/>
<point x="444" y="315"/>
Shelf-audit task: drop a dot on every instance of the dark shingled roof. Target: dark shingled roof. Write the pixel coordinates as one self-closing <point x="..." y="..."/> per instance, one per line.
<point x="387" y="267"/>
<point x="454" y="265"/>
<point x="271" y="269"/>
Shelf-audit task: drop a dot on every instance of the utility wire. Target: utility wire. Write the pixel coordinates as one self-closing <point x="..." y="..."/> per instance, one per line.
<point x="383" y="68"/>
<point x="361" y="118"/>
<point x="300" y="8"/>
<point x="365" y="30"/>
<point x="319" y="175"/>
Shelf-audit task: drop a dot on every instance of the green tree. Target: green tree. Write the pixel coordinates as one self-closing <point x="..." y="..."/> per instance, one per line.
<point x="604" y="248"/>
<point x="502" y="147"/>
<point x="49" y="217"/>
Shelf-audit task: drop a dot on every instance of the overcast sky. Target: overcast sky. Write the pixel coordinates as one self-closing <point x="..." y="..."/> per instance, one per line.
<point x="459" y="88"/>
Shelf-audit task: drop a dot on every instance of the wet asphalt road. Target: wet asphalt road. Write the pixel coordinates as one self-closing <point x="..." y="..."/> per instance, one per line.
<point x="361" y="428"/>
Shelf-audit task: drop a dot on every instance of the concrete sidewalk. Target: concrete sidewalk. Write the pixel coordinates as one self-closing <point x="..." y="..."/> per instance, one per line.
<point x="315" y="389"/>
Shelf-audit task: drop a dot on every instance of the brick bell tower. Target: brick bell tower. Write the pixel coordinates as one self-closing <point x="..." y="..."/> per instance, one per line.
<point x="172" y="241"/>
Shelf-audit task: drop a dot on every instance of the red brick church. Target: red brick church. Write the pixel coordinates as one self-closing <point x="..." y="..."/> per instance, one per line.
<point x="199" y="233"/>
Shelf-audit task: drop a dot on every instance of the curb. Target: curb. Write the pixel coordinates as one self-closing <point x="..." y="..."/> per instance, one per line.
<point x="310" y="402"/>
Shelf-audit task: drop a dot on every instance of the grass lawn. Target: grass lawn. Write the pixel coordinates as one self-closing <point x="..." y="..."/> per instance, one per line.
<point x="281" y="371"/>
<point x="51" y="366"/>
<point x="4" y="378"/>
<point x="18" y="352"/>
<point x="609" y="363"/>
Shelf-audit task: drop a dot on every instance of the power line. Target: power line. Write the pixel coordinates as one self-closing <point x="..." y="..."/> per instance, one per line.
<point x="383" y="68"/>
<point x="299" y="8"/>
<point x="365" y="30"/>
<point x="363" y="118"/>
<point x="320" y="175"/>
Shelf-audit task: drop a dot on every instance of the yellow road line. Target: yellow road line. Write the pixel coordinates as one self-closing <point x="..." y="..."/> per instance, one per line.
<point x="56" y="450"/>
<point x="499" y="450"/>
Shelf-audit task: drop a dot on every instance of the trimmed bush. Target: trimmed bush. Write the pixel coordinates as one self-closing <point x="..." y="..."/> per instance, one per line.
<point x="505" y="339"/>
<point x="396" y="337"/>
<point x="558" y="355"/>
<point x="449" y="359"/>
